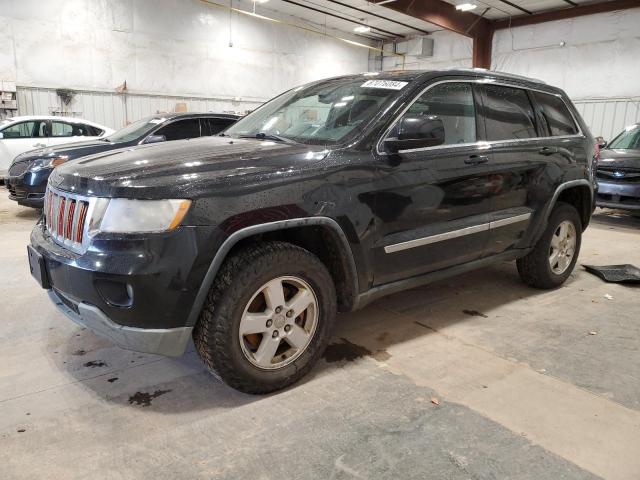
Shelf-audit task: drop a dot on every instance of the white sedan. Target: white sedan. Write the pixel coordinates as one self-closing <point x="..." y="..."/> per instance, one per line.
<point x="21" y="134"/>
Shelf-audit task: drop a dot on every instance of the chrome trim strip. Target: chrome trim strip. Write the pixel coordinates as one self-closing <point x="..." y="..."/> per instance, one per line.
<point x="419" y="242"/>
<point x="510" y="220"/>
<point x="485" y="81"/>
<point x="483" y="227"/>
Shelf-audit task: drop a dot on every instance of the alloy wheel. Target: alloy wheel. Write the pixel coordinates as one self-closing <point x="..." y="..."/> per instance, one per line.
<point x="279" y="322"/>
<point x="563" y="247"/>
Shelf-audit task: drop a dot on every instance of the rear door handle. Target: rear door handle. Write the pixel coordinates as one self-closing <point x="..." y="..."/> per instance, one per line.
<point x="476" y="159"/>
<point x="548" y="150"/>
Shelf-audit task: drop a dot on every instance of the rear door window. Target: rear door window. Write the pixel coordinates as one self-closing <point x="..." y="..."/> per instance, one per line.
<point x="180" y="129"/>
<point x="61" y="129"/>
<point x="556" y="115"/>
<point x="508" y="113"/>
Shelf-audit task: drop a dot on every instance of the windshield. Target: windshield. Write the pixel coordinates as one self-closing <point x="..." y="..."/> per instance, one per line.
<point x="627" y="140"/>
<point x="323" y="113"/>
<point x="135" y="130"/>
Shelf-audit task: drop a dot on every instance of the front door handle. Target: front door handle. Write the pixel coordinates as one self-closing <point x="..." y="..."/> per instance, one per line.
<point x="548" y="150"/>
<point x="476" y="159"/>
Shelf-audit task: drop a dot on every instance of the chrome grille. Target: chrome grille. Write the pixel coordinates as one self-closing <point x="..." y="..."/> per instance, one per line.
<point x="66" y="218"/>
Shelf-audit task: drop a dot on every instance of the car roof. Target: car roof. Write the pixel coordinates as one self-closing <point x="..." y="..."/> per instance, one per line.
<point x="173" y="115"/>
<point x="413" y="75"/>
<point x="23" y="118"/>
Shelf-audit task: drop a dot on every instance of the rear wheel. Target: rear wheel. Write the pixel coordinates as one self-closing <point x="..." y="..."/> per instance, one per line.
<point x="553" y="258"/>
<point x="267" y="318"/>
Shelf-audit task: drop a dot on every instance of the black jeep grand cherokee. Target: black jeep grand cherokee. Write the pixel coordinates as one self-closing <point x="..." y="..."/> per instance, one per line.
<point x="325" y="198"/>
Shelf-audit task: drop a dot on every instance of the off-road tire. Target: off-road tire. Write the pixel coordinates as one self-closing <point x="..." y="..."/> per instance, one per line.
<point x="534" y="268"/>
<point x="216" y="334"/>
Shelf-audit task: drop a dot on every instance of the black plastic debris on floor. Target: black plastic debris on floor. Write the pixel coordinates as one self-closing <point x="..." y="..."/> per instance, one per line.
<point x="615" y="273"/>
<point x="144" y="398"/>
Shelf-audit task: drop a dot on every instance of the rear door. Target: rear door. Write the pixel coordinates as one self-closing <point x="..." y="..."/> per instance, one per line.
<point x="66" y="132"/>
<point x="433" y="205"/>
<point x="518" y="162"/>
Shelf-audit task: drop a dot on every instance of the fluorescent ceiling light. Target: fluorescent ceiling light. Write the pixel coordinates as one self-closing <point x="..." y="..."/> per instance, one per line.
<point x="260" y="1"/>
<point x="362" y="29"/>
<point x="465" y="7"/>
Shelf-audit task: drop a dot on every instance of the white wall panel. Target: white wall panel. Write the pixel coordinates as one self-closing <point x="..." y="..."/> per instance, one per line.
<point x="593" y="56"/>
<point x="163" y="48"/>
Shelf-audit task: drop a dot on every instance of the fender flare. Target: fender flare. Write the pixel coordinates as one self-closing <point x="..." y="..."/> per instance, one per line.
<point x="546" y="213"/>
<point x="238" y="235"/>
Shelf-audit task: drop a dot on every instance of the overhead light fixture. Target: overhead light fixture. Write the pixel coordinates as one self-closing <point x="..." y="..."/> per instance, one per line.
<point x="466" y="6"/>
<point x="260" y="1"/>
<point x="362" y="29"/>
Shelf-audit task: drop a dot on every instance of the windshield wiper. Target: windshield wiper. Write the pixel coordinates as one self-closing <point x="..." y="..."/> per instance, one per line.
<point x="268" y="136"/>
<point x="105" y="139"/>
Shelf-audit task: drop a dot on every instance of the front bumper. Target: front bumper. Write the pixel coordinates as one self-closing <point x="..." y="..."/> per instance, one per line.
<point x="171" y="342"/>
<point x="138" y="292"/>
<point x="618" y="194"/>
<point x="28" y="188"/>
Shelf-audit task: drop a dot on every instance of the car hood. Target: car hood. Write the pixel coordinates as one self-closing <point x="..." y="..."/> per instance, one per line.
<point x="184" y="168"/>
<point x="71" y="150"/>
<point x="618" y="158"/>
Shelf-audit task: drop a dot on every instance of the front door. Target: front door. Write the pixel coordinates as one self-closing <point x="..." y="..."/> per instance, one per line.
<point x="433" y="205"/>
<point x="22" y="137"/>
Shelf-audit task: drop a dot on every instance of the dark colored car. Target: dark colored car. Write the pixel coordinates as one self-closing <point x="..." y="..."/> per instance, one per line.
<point x="619" y="172"/>
<point x="29" y="172"/>
<point x="327" y="197"/>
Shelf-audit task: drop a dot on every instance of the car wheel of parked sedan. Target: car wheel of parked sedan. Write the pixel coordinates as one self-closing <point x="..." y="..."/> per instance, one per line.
<point x="267" y="318"/>
<point x="553" y="258"/>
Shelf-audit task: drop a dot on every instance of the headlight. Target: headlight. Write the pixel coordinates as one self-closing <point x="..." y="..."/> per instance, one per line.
<point x="122" y="215"/>
<point x="52" y="162"/>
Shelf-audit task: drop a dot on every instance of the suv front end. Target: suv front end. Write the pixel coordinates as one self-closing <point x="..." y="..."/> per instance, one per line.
<point x="100" y="261"/>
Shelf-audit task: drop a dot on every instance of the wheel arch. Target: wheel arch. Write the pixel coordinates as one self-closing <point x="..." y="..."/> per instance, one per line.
<point x="336" y="255"/>
<point x="578" y="193"/>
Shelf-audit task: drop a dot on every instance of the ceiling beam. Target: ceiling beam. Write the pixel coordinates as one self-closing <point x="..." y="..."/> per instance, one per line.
<point x="518" y="7"/>
<point x="444" y="15"/>
<point x="379" y="16"/>
<point x="392" y="34"/>
<point x="566" y="13"/>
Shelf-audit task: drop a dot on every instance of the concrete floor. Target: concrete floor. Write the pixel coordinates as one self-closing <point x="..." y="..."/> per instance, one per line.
<point x="477" y="377"/>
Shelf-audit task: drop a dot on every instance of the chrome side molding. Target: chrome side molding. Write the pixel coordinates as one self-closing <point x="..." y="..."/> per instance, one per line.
<point x="483" y="227"/>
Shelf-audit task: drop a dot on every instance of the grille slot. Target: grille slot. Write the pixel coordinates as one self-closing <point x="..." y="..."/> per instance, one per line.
<point x="65" y="218"/>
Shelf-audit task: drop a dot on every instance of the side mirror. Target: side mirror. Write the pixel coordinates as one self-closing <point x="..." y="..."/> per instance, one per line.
<point x="601" y="142"/>
<point x="155" y="139"/>
<point x="416" y="131"/>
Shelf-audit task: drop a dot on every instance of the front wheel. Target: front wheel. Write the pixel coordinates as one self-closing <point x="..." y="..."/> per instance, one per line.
<point x="267" y="318"/>
<point x="553" y="258"/>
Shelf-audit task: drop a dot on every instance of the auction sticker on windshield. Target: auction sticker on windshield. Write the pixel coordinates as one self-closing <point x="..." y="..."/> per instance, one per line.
<point x="388" y="84"/>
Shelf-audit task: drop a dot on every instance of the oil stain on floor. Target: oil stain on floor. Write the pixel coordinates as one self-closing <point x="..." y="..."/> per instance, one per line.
<point x="144" y="398"/>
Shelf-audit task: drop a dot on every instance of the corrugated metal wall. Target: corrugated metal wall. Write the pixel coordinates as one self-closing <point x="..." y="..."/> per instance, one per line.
<point x="607" y="117"/>
<point x="114" y="110"/>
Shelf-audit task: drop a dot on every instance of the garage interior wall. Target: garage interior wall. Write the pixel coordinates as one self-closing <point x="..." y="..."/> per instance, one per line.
<point x="168" y="51"/>
<point x="593" y="58"/>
